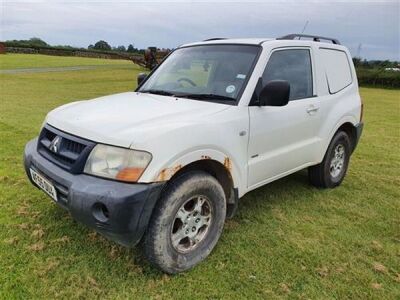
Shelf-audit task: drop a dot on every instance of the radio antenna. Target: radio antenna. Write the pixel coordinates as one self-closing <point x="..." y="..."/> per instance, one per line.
<point x="305" y="26"/>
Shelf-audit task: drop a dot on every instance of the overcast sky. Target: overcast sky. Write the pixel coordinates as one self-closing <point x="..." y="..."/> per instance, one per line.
<point x="371" y="26"/>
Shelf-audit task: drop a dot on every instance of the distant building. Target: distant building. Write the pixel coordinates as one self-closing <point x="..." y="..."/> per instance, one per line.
<point x="393" y="69"/>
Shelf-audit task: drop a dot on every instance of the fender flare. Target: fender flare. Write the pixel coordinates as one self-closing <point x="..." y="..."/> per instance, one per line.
<point x="171" y="168"/>
<point x="346" y="119"/>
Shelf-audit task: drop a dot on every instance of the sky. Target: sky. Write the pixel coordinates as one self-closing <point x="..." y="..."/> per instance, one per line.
<point x="369" y="29"/>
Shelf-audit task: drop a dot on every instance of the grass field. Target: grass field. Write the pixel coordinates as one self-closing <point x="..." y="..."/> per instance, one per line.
<point x="288" y="239"/>
<point x="19" y="61"/>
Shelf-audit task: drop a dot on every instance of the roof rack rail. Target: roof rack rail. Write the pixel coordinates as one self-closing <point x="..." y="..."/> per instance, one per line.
<point x="315" y="38"/>
<point x="214" y="39"/>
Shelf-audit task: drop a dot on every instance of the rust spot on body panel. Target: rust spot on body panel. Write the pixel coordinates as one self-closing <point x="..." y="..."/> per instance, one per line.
<point x="228" y="164"/>
<point x="167" y="173"/>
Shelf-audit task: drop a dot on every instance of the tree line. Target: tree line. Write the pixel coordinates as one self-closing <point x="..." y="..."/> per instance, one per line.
<point x="100" y="46"/>
<point x="103" y="45"/>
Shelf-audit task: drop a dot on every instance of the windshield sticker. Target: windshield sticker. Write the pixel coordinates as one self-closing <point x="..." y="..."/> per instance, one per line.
<point x="230" y="89"/>
<point x="240" y="76"/>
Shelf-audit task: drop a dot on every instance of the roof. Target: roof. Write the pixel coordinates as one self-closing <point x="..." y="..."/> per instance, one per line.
<point x="247" y="41"/>
<point x="295" y="38"/>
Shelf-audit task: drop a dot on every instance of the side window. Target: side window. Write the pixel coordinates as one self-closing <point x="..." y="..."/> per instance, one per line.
<point x="337" y="69"/>
<point x="293" y="66"/>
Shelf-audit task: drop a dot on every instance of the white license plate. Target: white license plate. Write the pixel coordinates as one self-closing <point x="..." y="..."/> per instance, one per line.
<point x="44" y="184"/>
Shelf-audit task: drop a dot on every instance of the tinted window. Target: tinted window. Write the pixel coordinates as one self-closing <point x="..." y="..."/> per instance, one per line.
<point x="337" y="69"/>
<point x="293" y="66"/>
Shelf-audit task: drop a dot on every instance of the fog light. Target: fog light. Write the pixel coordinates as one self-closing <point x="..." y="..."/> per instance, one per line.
<point x="100" y="212"/>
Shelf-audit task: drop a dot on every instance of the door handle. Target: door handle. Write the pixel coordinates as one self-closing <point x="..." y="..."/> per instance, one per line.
<point x="312" y="109"/>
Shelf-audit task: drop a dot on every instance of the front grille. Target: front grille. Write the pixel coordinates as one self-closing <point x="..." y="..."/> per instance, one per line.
<point x="65" y="150"/>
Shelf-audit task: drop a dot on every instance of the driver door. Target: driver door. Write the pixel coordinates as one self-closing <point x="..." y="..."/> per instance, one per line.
<point x="283" y="139"/>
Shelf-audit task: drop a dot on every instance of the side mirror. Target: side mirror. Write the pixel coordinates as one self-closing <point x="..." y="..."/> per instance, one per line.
<point x="275" y="93"/>
<point x="141" y="77"/>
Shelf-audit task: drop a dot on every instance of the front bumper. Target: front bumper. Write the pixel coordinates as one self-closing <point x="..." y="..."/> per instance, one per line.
<point x="119" y="211"/>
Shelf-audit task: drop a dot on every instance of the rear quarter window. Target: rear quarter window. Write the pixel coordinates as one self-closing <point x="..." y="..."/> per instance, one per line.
<point x="337" y="69"/>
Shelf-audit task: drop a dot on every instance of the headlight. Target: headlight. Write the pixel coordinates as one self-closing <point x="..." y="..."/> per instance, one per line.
<point x="117" y="163"/>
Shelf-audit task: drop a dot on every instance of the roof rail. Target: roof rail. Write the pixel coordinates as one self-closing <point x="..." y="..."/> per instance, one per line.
<point x="315" y="38"/>
<point x="214" y="39"/>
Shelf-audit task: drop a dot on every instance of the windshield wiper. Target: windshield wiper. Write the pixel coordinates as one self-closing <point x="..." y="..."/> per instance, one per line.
<point x="158" y="92"/>
<point x="190" y="96"/>
<point x="205" y="97"/>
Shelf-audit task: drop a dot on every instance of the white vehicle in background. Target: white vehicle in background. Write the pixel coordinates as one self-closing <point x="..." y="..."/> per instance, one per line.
<point x="167" y="163"/>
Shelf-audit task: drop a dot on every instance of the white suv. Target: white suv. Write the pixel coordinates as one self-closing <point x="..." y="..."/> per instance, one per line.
<point x="167" y="163"/>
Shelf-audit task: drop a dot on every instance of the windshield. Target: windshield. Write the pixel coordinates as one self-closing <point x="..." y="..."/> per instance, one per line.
<point x="208" y="72"/>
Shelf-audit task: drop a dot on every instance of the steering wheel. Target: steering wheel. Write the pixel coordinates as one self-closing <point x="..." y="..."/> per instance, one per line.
<point x="186" y="80"/>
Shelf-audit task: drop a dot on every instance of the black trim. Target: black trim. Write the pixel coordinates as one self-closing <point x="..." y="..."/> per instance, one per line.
<point x="232" y="204"/>
<point x="264" y="41"/>
<point x="359" y="129"/>
<point x="214" y="39"/>
<point x="316" y="38"/>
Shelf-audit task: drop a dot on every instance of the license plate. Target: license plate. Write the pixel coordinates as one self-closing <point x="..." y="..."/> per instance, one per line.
<point x="44" y="184"/>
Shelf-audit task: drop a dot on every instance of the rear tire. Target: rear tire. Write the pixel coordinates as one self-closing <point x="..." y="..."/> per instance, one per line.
<point x="186" y="223"/>
<point x="332" y="170"/>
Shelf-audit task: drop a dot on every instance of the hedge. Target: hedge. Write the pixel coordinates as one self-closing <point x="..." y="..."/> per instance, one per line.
<point x="378" y="77"/>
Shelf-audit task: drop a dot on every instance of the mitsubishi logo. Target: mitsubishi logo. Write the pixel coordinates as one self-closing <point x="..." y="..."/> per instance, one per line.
<point x="55" y="144"/>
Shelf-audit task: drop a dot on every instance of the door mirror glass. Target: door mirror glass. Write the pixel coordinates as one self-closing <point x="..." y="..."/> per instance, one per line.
<point x="275" y="93"/>
<point x="141" y="77"/>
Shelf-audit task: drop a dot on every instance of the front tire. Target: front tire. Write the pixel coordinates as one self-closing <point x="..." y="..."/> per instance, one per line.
<point x="332" y="170"/>
<point x="186" y="223"/>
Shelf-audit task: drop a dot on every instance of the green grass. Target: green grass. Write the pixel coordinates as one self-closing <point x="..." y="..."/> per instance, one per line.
<point x="18" y="61"/>
<point x="288" y="239"/>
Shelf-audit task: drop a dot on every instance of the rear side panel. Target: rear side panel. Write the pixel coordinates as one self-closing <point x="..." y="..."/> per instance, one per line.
<point x="339" y="96"/>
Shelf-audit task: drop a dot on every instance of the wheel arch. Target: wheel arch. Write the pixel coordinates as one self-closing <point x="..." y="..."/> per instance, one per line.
<point x="215" y="163"/>
<point x="347" y="124"/>
<point x="351" y="131"/>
